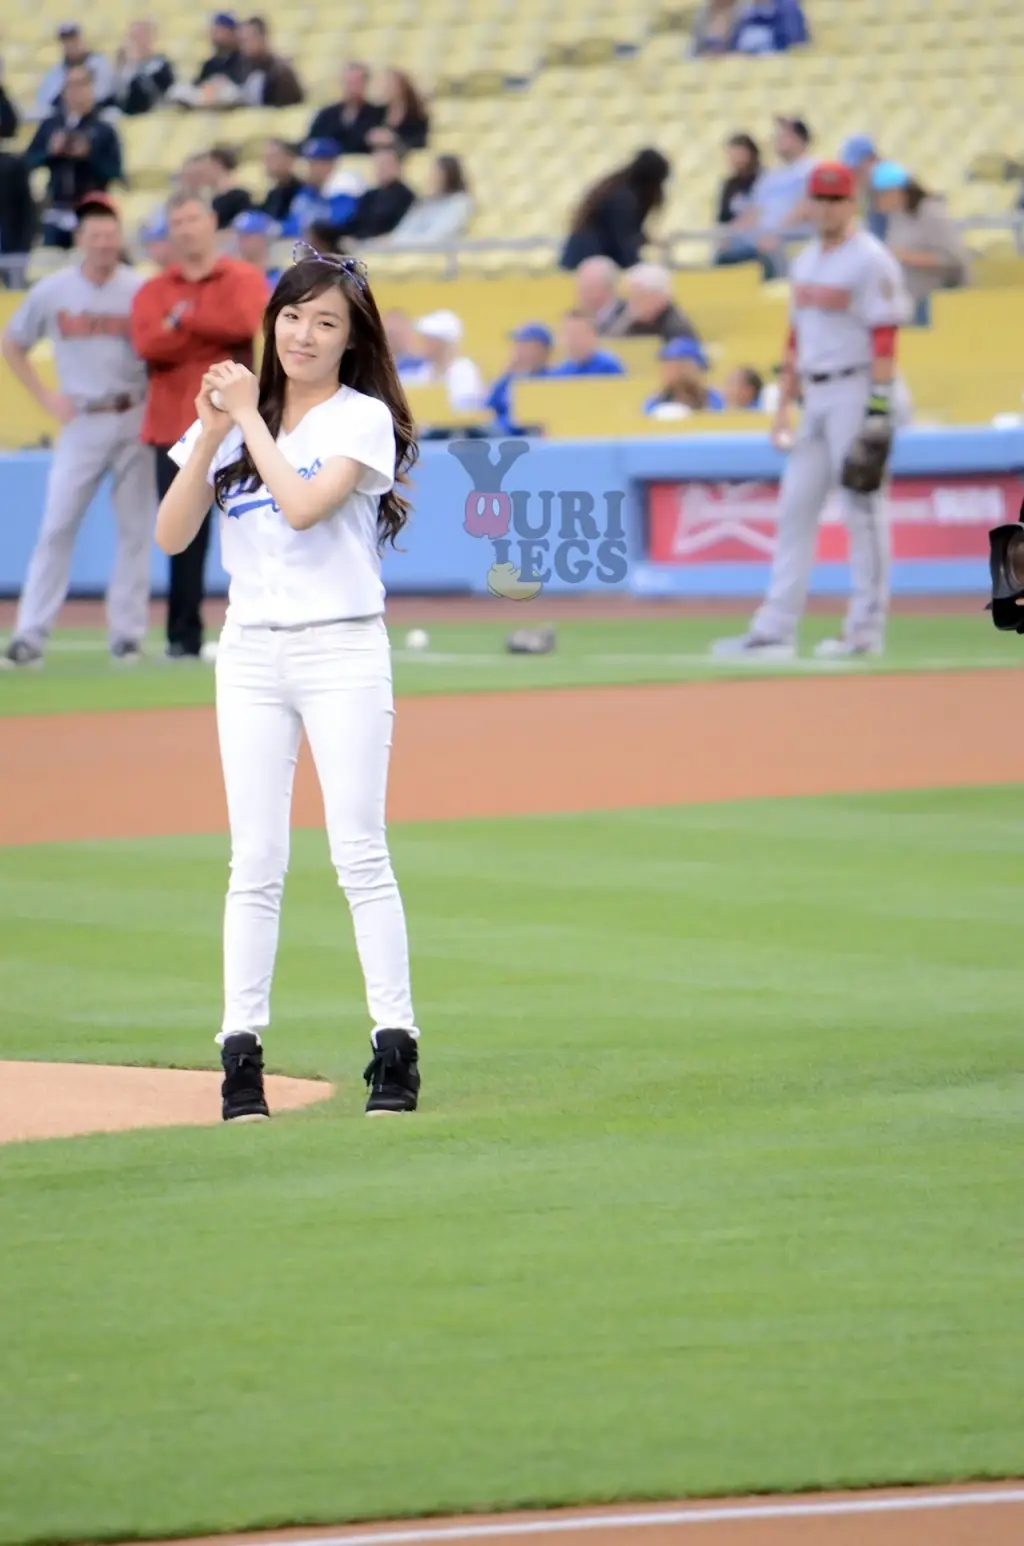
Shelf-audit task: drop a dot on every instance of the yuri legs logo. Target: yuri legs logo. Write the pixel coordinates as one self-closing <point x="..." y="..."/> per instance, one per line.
<point x="573" y="534"/>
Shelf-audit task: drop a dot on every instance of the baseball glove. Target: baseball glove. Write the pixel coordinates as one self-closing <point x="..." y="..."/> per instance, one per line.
<point x="868" y="456"/>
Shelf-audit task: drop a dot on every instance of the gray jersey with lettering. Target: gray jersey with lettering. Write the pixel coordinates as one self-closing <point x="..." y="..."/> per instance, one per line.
<point x="90" y="329"/>
<point x="837" y="296"/>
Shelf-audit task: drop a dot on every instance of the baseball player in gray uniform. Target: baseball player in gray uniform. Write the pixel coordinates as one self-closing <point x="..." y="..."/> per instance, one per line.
<point x="847" y="301"/>
<point x="85" y="310"/>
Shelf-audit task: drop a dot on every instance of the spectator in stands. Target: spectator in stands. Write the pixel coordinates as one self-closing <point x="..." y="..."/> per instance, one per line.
<point x="253" y="232"/>
<point x="81" y="152"/>
<point x="582" y="356"/>
<point x="75" y="54"/>
<point x="268" y="80"/>
<point x="743" y="389"/>
<point x="921" y="235"/>
<point x="768" y="27"/>
<point x="412" y="366"/>
<point x="382" y="207"/>
<point x="218" y="169"/>
<point x="404" y="113"/>
<point x="143" y="76"/>
<point x="441" y="335"/>
<point x="860" y="155"/>
<point x="684" y="387"/>
<point x="18" y="220"/>
<point x="778" y="206"/>
<point x="597" y="293"/>
<point x="445" y="211"/>
<point x="312" y="206"/>
<point x="743" y="156"/>
<point x="279" y="160"/>
<point x="611" y="217"/>
<point x="218" y="82"/>
<point x="649" y="311"/>
<point x="531" y="356"/>
<point x="713" y="28"/>
<point x="9" y="116"/>
<point x="155" y="240"/>
<point x="349" y="121"/>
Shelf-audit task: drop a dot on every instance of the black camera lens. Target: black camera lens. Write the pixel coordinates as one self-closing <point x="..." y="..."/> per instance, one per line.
<point x="1015" y="560"/>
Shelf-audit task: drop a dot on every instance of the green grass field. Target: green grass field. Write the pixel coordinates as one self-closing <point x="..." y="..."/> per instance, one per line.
<point x="469" y="657"/>
<point x="716" y="1185"/>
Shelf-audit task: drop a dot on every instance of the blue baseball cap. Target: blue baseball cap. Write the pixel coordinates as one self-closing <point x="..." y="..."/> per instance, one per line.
<point x="155" y="229"/>
<point x="856" y="150"/>
<point x="321" y="150"/>
<point x="533" y="333"/>
<point x="253" y="222"/>
<point x="887" y="175"/>
<point x="684" y="349"/>
<point x="224" y="19"/>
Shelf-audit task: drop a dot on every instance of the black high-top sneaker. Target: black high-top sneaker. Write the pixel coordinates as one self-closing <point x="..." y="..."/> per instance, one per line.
<point x="393" y="1074"/>
<point x="242" y="1091"/>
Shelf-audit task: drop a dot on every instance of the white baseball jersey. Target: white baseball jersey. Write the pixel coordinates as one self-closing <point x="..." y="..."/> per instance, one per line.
<point x="90" y="328"/>
<point x="289" y="579"/>
<point x="838" y="295"/>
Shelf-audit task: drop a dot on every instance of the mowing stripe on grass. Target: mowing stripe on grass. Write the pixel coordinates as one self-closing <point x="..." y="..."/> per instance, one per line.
<point x="726" y="1513"/>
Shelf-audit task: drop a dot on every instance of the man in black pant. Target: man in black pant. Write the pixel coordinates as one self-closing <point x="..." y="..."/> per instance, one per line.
<point x="203" y="308"/>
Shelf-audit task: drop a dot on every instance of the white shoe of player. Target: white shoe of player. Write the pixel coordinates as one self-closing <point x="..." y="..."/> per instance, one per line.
<point x="844" y="649"/>
<point x="747" y="646"/>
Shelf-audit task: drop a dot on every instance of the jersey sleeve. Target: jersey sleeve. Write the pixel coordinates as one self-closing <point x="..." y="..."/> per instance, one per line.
<point x="29" y="322"/>
<point x="881" y="299"/>
<point x="368" y="437"/>
<point x="226" y="452"/>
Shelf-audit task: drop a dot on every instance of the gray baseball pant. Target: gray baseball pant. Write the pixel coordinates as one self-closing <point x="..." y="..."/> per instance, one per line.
<point x="87" y="448"/>
<point x="833" y="413"/>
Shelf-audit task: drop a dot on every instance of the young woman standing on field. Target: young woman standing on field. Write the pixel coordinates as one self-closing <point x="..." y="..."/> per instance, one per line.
<point x="304" y="464"/>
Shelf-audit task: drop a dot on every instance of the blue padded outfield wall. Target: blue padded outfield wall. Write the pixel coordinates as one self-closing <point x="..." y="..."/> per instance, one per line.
<point x="693" y="516"/>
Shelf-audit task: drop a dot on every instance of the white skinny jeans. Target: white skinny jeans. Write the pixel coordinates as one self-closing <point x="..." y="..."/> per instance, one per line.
<point x="333" y="681"/>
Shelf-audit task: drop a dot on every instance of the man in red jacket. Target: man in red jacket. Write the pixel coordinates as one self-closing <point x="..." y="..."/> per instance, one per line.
<point x="201" y="309"/>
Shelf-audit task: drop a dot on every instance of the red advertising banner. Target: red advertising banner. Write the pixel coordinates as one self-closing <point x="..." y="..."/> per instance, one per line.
<point x="733" y="523"/>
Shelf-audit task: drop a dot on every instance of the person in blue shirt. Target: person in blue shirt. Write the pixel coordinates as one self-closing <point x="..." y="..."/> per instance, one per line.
<point x="582" y="356"/>
<point x="684" y="388"/>
<point x="778" y="209"/>
<point x="311" y="205"/>
<point x="254" y="232"/>
<point x="861" y="156"/>
<point x="769" y="27"/>
<point x="531" y="356"/>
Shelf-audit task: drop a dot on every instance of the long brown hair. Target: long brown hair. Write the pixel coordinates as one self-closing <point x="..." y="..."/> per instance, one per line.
<point x="367" y="366"/>
<point x="645" y="177"/>
<point x="408" y="94"/>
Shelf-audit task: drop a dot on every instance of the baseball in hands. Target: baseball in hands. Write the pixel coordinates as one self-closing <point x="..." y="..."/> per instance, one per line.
<point x="783" y="440"/>
<point x="217" y="400"/>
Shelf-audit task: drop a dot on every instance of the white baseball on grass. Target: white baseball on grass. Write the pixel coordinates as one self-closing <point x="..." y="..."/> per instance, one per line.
<point x="217" y="400"/>
<point x="417" y="639"/>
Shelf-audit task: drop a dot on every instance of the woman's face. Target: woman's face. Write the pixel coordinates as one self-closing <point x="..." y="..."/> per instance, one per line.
<point x="436" y="180"/>
<point x="311" y="337"/>
<point x="739" y="158"/>
<point x="889" y="200"/>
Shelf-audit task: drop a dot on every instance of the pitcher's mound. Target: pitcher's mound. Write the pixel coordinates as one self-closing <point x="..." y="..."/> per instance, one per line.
<point x="65" y="1100"/>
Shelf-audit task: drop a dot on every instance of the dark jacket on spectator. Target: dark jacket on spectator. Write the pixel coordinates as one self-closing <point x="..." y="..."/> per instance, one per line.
<point x="73" y="176"/>
<point x="228" y="204"/>
<point x="614" y="232"/>
<point x="413" y="131"/>
<point x="8" y="116"/>
<point x="278" y="85"/>
<point x="380" y="209"/>
<point x="671" y="323"/>
<point x="142" y="85"/>
<point x="279" y="199"/>
<point x="229" y="62"/>
<point x="349" y="129"/>
<point x="734" y="196"/>
<point x="18" y="217"/>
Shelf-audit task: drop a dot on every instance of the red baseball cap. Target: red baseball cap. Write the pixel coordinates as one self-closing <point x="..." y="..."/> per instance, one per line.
<point x="831" y="180"/>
